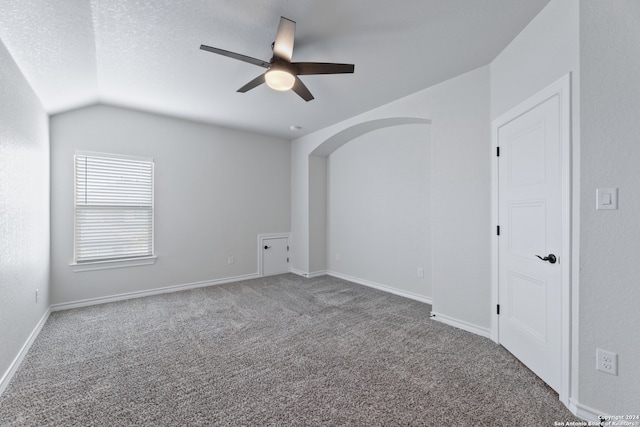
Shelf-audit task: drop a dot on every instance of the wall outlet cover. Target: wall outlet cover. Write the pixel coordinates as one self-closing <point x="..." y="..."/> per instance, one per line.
<point x="606" y="362"/>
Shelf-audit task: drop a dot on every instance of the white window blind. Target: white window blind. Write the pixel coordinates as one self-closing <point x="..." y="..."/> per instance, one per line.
<point x="113" y="207"/>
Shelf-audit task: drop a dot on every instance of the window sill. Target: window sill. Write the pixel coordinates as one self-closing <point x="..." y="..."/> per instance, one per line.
<point x="104" y="265"/>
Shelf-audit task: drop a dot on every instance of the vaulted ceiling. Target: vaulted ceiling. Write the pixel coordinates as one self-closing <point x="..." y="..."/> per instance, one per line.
<point x="145" y="54"/>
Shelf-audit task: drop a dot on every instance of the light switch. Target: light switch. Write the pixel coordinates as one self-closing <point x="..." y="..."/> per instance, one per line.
<point x="606" y="198"/>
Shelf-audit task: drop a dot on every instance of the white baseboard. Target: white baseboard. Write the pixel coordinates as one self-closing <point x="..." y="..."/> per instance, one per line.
<point x="585" y="412"/>
<point x="157" y="291"/>
<point x="298" y="272"/>
<point x="13" y="367"/>
<point x="461" y="324"/>
<point x="381" y="287"/>
<point x="307" y="274"/>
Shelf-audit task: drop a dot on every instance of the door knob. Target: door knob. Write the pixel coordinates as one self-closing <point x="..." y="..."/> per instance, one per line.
<point x="551" y="258"/>
<point x="267" y="247"/>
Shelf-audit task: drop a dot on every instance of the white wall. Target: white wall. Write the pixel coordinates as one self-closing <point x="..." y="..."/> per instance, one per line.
<point x="299" y="254"/>
<point x="216" y="189"/>
<point x="610" y="240"/>
<point x="460" y="176"/>
<point x="24" y="211"/>
<point x="379" y="204"/>
<point x="317" y="214"/>
<point x="544" y="51"/>
<point x="461" y="213"/>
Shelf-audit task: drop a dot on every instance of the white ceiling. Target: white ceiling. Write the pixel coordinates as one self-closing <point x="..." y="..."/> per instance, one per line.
<point x="145" y="54"/>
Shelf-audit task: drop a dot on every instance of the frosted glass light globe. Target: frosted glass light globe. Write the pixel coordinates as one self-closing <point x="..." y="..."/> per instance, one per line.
<point x="279" y="79"/>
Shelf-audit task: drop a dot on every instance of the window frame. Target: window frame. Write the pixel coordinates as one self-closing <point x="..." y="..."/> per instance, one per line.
<point x="101" y="264"/>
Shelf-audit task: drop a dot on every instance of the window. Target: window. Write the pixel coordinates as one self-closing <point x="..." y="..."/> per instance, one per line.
<point x="113" y="210"/>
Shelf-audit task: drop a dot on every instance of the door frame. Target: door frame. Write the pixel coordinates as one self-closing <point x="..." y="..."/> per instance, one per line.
<point x="261" y="238"/>
<point x="562" y="89"/>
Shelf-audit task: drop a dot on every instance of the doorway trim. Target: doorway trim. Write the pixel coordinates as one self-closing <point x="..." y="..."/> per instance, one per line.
<point x="261" y="238"/>
<point x="562" y="89"/>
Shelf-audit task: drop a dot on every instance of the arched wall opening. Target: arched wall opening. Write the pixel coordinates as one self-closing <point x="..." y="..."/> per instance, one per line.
<point x="369" y="205"/>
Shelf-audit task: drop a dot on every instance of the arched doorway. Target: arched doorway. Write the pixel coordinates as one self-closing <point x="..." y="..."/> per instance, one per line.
<point x="321" y="255"/>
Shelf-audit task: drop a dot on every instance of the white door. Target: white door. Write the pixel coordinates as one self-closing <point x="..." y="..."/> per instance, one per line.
<point x="530" y="238"/>
<point x="275" y="255"/>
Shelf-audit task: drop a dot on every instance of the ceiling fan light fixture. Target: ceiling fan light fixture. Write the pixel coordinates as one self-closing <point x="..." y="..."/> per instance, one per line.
<point x="279" y="79"/>
<point x="282" y="74"/>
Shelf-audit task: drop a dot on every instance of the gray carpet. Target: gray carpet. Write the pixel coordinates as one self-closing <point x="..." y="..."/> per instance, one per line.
<point x="282" y="350"/>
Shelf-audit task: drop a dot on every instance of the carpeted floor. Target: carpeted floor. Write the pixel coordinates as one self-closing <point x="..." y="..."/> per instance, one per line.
<point x="280" y="350"/>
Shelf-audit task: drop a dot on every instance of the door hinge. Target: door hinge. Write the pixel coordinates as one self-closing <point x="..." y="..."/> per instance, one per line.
<point x="287" y="259"/>
<point x="498" y="151"/>
<point x="287" y="248"/>
<point x="498" y="230"/>
<point x="498" y="309"/>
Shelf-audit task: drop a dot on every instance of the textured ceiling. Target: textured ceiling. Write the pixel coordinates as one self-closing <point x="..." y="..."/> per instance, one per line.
<point x="145" y="54"/>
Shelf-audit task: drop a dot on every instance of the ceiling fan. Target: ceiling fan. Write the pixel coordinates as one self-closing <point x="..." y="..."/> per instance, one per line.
<point x="282" y="74"/>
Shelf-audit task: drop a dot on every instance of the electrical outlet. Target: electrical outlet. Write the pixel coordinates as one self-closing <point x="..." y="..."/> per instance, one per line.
<point x="420" y="272"/>
<point x="606" y="362"/>
<point x="337" y="256"/>
<point x="230" y="260"/>
<point x="37" y="292"/>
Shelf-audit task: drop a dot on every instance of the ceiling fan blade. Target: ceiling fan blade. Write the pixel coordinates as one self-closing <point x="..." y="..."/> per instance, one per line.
<point x="250" y="60"/>
<point x="253" y="83"/>
<point x="283" y="46"/>
<point x="306" y="68"/>
<point x="302" y="90"/>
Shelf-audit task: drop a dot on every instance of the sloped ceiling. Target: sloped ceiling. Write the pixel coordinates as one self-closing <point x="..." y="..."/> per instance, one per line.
<point x="145" y="54"/>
